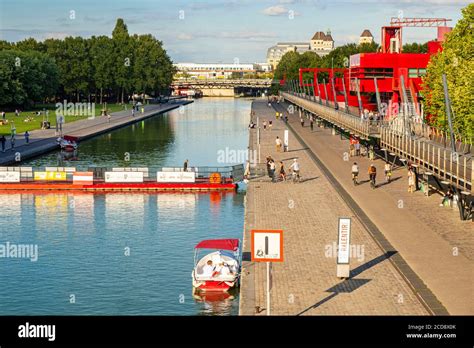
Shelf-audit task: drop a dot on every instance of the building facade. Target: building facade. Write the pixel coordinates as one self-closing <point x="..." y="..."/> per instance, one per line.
<point x="321" y="44"/>
<point x="218" y="70"/>
<point x="366" y="37"/>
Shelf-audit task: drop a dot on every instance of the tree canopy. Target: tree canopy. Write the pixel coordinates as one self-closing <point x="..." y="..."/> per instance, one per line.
<point x="79" y="68"/>
<point x="456" y="61"/>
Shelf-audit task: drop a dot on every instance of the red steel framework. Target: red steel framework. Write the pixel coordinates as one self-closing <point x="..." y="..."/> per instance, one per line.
<point x="380" y="72"/>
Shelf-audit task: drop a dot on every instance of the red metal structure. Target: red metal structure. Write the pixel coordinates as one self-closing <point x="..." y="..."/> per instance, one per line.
<point x="381" y="72"/>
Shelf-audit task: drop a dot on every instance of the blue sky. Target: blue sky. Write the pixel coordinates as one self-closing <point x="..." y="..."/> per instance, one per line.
<point x="219" y="30"/>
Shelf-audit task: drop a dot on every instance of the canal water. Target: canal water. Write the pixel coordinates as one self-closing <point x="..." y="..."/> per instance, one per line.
<point x="127" y="253"/>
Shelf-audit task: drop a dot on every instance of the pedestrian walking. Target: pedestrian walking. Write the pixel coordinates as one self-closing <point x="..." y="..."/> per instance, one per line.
<point x="3" y="140"/>
<point x="27" y="138"/>
<point x="269" y="159"/>
<point x="278" y="144"/>
<point x="17" y="112"/>
<point x="272" y="170"/>
<point x="108" y="118"/>
<point x="185" y="166"/>
<point x="411" y="181"/>
<point x="282" y="173"/>
<point x="247" y="171"/>
<point x="357" y="148"/>
<point x="302" y="121"/>
<point x="270" y="124"/>
<point x="264" y="124"/>
<point x="371" y="153"/>
<point x="311" y="123"/>
<point x="12" y="142"/>
<point x="351" y="150"/>
<point x="388" y="172"/>
<point x="133" y="112"/>
<point x="3" y="116"/>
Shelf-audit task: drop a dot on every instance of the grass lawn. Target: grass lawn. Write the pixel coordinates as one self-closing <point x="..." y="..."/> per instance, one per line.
<point x="22" y="126"/>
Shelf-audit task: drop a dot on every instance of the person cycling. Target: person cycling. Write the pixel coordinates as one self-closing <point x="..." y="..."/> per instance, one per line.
<point x="372" y="175"/>
<point x="355" y="172"/>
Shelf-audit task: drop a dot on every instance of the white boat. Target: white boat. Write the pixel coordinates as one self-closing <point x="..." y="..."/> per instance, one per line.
<point x="224" y="262"/>
<point x="67" y="143"/>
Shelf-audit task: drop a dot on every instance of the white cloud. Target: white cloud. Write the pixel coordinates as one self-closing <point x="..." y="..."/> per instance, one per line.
<point x="182" y="36"/>
<point x="277" y="10"/>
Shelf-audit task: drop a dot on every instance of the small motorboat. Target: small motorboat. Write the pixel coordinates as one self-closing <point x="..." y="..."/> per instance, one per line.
<point x="218" y="270"/>
<point x="68" y="143"/>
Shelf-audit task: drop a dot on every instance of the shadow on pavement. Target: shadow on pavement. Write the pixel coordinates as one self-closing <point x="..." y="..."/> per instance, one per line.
<point x="350" y="285"/>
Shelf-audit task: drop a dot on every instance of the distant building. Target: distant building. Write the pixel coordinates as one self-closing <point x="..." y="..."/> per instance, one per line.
<point x="321" y="44"/>
<point x="219" y="70"/>
<point x="275" y="53"/>
<point x="366" y="37"/>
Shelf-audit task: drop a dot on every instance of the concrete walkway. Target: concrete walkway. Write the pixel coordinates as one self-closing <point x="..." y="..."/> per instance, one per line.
<point x="306" y="283"/>
<point x="435" y="243"/>
<point x="44" y="140"/>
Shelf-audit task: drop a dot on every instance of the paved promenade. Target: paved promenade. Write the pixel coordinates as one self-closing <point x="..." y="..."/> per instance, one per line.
<point x="42" y="141"/>
<point x="306" y="283"/>
<point x="434" y="242"/>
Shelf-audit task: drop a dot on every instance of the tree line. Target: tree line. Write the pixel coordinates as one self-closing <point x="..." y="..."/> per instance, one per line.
<point x="98" y="68"/>
<point x="456" y="60"/>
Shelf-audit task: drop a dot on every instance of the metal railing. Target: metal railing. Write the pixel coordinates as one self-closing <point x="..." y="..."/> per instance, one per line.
<point x="353" y="124"/>
<point x="451" y="167"/>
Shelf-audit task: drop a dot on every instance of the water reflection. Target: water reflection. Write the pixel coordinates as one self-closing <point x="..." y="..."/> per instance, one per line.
<point x="82" y="237"/>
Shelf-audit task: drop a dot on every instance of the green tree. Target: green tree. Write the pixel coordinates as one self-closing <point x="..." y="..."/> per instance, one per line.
<point x="102" y="63"/>
<point x="30" y="44"/>
<point x="26" y="77"/>
<point x="457" y="62"/>
<point x="123" y="53"/>
<point x="415" y="48"/>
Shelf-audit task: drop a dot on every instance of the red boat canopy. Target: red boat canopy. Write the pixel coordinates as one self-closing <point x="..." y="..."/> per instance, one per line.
<point x="224" y="244"/>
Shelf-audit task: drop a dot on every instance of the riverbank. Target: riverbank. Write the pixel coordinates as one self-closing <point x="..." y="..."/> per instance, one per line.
<point x="308" y="213"/>
<point x="43" y="141"/>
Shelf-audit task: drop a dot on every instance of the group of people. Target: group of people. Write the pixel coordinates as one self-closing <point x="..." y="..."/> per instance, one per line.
<point x="211" y="270"/>
<point x="294" y="168"/>
<point x="372" y="172"/>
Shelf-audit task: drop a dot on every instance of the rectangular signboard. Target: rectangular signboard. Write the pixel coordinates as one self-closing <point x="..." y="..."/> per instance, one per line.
<point x="83" y="178"/>
<point x="344" y="237"/>
<point x="175" y="177"/>
<point x="123" y="176"/>
<point x="267" y="245"/>
<point x="50" y="176"/>
<point x="9" y="176"/>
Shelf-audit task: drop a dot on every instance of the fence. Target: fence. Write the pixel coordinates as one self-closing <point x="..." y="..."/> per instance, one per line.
<point x="344" y="120"/>
<point x="452" y="167"/>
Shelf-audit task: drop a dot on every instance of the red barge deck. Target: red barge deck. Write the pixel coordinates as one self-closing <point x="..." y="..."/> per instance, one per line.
<point x="15" y="179"/>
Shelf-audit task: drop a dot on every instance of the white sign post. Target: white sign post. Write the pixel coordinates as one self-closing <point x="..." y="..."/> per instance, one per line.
<point x="267" y="246"/>
<point x="343" y="249"/>
<point x="285" y="141"/>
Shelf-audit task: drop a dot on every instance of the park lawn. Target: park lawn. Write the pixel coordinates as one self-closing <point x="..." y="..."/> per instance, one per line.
<point x="22" y="126"/>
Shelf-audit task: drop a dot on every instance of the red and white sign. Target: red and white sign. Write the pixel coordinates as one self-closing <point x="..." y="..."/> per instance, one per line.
<point x="83" y="178"/>
<point x="343" y="250"/>
<point x="123" y="176"/>
<point x="267" y="245"/>
<point x="9" y="176"/>
<point x="175" y="176"/>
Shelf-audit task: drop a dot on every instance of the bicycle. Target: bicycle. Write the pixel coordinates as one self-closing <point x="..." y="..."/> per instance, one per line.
<point x="354" y="178"/>
<point x="372" y="181"/>
<point x="295" y="176"/>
